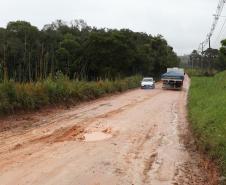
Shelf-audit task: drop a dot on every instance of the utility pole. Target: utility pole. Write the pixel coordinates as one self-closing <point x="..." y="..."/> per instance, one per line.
<point x="202" y="47"/>
<point x="202" y="55"/>
<point x="217" y="15"/>
<point x="209" y="43"/>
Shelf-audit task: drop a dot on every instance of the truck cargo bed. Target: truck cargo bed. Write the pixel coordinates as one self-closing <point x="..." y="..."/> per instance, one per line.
<point x="173" y="79"/>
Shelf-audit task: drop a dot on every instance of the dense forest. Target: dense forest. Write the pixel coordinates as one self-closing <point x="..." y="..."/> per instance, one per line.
<point x="80" y="52"/>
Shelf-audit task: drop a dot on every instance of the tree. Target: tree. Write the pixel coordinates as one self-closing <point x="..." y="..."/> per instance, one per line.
<point x="195" y="59"/>
<point x="25" y="33"/>
<point x="80" y="51"/>
<point x="3" y="53"/>
<point x="220" y="62"/>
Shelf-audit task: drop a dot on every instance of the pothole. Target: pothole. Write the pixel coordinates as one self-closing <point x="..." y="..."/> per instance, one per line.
<point x="96" y="136"/>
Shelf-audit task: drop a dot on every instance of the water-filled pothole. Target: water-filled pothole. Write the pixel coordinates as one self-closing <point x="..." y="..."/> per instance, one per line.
<point x="96" y="136"/>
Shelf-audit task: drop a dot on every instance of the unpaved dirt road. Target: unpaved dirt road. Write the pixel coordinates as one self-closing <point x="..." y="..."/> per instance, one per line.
<point x="131" y="138"/>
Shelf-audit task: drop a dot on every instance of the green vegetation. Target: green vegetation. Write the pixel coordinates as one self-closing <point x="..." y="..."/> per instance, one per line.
<point x="29" y="96"/>
<point x="194" y="72"/>
<point x="79" y="51"/>
<point x="209" y="61"/>
<point x="207" y="113"/>
<point x="200" y="72"/>
<point x="76" y="62"/>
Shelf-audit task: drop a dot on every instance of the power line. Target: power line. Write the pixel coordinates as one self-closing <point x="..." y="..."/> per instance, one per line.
<point x="213" y="27"/>
<point x="221" y="31"/>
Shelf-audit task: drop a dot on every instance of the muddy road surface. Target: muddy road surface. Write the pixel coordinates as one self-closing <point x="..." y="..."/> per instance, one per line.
<point x="132" y="138"/>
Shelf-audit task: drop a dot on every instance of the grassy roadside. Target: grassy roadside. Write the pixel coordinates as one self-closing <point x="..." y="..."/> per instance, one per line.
<point x="207" y="114"/>
<point x="31" y="96"/>
<point x="200" y="72"/>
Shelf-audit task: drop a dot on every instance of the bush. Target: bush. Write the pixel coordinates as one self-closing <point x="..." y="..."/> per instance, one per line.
<point x="30" y="96"/>
<point x="7" y="97"/>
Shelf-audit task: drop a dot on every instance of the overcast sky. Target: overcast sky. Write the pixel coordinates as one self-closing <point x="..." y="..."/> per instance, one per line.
<point x="184" y="23"/>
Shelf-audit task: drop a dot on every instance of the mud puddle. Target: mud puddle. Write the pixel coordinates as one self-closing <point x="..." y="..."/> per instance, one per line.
<point x="96" y="136"/>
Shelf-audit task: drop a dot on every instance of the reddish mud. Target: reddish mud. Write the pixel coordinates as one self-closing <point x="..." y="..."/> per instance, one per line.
<point x="131" y="138"/>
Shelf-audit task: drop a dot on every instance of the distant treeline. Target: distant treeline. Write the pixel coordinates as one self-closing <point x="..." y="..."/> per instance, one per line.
<point x="207" y="62"/>
<point x="80" y="52"/>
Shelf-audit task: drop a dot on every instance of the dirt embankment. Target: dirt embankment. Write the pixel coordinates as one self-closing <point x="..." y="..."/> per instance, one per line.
<point x="134" y="138"/>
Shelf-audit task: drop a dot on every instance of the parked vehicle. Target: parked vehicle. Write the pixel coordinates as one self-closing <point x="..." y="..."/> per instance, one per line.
<point x="173" y="79"/>
<point x="148" y="83"/>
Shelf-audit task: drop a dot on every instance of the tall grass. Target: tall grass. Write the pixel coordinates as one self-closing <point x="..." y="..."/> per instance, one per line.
<point x="207" y="113"/>
<point x="30" y="96"/>
<point x="200" y="72"/>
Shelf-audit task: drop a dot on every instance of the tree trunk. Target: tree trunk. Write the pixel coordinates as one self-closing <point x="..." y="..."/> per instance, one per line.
<point x="41" y="63"/>
<point x="5" y="69"/>
<point x="25" y="57"/>
<point x="29" y="66"/>
<point x="52" y="63"/>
